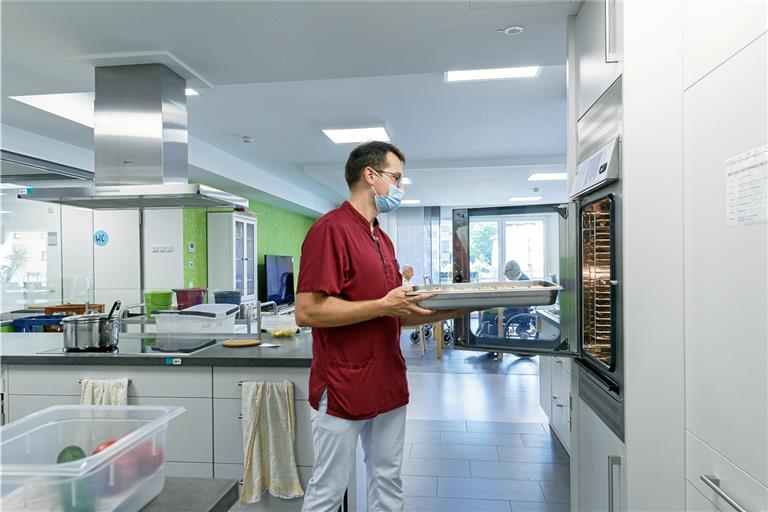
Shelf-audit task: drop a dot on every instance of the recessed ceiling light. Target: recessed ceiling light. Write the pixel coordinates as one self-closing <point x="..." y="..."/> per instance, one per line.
<point x="191" y="92"/>
<point x="407" y="181"/>
<point x="548" y="176"/>
<point x="411" y="201"/>
<point x="492" y="74"/>
<point x="523" y="199"/>
<point x="511" y="31"/>
<point x="357" y="135"/>
<point x="75" y="106"/>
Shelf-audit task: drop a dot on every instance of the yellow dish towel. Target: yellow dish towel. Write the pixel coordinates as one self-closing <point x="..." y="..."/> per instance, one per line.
<point x="104" y="391"/>
<point x="269" y="431"/>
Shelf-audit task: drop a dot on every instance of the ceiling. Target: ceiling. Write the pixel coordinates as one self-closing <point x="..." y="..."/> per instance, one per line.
<point x="279" y="71"/>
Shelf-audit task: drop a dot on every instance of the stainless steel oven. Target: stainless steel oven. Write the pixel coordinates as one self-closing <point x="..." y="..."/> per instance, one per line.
<point x="579" y="244"/>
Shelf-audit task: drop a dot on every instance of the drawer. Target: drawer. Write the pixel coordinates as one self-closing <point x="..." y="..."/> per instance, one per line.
<point x="226" y="380"/>
<point x="228" y="432"/>
<point x="741" y="487"/>
<point x="189" y="469"/>
<point x="170" y="381"/>
<point x="562" y="363"/>
<point x="189" y="435"/>
<point x="268" y="502"/>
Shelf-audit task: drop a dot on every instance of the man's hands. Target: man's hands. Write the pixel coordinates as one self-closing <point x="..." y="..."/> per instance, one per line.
<point x="397" y="304"/>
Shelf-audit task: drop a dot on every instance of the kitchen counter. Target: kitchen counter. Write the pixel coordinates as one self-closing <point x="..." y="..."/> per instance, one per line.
<point x="195" y="495"/>
<point x="25" y="348"/>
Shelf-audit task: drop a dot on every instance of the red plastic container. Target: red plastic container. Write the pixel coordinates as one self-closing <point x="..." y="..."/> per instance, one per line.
<point x="188" y="297"/>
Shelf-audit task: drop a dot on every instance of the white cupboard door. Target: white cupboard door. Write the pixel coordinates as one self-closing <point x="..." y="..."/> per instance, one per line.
<point x="726" y="299"/>
<point x="240" y="256"/>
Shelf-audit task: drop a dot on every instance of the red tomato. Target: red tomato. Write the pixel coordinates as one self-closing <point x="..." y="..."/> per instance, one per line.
<point x="126" y="471"/>
<point x="148" y="459"/>
<point x="103" y="446"/>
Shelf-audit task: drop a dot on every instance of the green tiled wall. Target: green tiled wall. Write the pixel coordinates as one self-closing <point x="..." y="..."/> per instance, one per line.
<point x="278" y="232"/>
<point x="196" y="230"/>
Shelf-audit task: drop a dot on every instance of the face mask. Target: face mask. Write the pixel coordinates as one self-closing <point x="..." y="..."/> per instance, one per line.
<point x="390" y="201"/>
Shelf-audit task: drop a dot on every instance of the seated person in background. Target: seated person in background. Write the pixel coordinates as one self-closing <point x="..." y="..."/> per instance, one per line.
<point x="407" y="275"/>
<point x="488" y="319"/>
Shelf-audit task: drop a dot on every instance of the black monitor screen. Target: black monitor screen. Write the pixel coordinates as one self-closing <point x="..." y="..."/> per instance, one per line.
<point x="279" y="277"/>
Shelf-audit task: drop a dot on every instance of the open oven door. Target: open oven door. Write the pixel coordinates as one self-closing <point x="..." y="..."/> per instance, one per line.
<point x="541" y="241"/>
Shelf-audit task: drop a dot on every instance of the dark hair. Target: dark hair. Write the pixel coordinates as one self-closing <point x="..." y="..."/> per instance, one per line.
<point x="368" y="154"/>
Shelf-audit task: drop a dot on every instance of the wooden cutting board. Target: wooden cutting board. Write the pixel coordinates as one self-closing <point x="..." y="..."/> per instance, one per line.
<point x="242" y="342"/>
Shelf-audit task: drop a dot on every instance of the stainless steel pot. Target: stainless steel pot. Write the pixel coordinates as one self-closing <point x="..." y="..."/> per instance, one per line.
<point x="90" y="332"/>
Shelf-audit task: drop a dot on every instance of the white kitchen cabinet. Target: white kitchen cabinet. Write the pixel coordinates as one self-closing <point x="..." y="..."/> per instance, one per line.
<point x="726" y="367"/>
<point x="696" y="502"/>
<point x="713" y="30"/>
<point x="32" y="388"/>
<point x="599" y="464"/>
<point x="228" y="432"/>
<point x="232" y="261"/>
<point x="593" y="74"/>
<point x="561" y="400"/>
<point x="555" y="395"/>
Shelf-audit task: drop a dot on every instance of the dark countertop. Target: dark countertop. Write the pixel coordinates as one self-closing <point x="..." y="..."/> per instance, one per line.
<point x="25" y="348"/>
<point x="194" y="495"/>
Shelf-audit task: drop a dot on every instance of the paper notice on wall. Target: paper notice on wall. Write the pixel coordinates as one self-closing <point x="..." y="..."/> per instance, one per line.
<point x="747" y="188"/>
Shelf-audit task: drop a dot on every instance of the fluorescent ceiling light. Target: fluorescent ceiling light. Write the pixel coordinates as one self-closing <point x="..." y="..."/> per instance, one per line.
<point x="6" y="186"/>
<point x="407" y="181"/>
<point x="352" y="135"/>
<point x="492" y="74"/>
<point x="75" y="106"/>
<point x="191" y="92"/>
<point x="522" y="199"/>
<point x="411" y="201"/>
<point x="548" y="176"/>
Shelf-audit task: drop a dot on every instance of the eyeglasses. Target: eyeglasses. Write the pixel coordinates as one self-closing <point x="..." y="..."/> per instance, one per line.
<point x="397" y="175"/>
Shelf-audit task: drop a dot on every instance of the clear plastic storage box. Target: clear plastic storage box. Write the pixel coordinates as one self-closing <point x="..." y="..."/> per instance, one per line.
<point x="203" y="318"/>
<point x="124" y="476"/>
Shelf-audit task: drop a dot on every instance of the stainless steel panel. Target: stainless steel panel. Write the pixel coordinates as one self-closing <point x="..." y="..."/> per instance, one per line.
<point x="140" y="125"/>
<point x="136" y="196"/>
<point x="488" y="295"/>
<point x="601" y="123"/>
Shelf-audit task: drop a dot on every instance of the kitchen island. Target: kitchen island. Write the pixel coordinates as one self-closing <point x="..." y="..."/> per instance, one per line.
<point x="207" y="440"/>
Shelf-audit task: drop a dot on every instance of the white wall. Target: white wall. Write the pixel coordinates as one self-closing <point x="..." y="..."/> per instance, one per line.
<point x="117" y="265"/>
<point x="164" y="249"/>
<point x="653" y="256"/>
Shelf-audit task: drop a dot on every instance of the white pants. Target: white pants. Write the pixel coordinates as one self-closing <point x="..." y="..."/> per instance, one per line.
<point x="335" y="442"/>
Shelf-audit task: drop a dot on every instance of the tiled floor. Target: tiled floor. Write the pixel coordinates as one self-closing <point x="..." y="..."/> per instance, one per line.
<point x="476" y="439"/>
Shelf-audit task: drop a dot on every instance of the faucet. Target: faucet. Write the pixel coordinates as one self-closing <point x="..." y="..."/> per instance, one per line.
<point x="249" y="314"/>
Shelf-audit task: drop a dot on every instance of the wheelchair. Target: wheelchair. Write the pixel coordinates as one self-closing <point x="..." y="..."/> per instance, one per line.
<point x="519" y="326"/>
<point x="427" y="329"/>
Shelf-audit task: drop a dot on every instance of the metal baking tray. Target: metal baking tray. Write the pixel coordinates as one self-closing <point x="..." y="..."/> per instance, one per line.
<point x="488" y="295"/>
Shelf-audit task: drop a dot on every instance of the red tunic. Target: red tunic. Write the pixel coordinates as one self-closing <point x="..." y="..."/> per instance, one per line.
<point x="360" y="365"/>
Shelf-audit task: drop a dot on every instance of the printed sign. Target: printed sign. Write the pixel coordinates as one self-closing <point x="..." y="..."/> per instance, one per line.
<point x="747" y="188"/>
<point x="101" y="238"/>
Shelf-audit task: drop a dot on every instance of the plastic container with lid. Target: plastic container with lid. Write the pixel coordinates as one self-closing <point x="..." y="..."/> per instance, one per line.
<point x="154" y="300"/>
<point x="228" y="297"/>
<point x="125" y="476"/>
<point x="202" y="318"/>
<point x="188" y="297"/>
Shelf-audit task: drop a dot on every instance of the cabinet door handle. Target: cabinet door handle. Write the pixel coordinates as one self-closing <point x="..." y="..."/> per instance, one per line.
<point x="613" y="461"/>
<point x="714" y="483"/>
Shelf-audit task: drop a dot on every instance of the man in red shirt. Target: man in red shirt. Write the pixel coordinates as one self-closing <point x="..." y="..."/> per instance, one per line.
<point x="350" y="293"/>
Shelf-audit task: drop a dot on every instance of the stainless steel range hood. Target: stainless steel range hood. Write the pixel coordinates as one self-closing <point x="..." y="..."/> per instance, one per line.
<point x="140" y="146"/>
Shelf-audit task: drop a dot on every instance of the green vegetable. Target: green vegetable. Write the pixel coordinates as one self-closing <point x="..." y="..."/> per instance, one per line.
<point x="69" y="454"/>
<point x="83" y="499"/>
